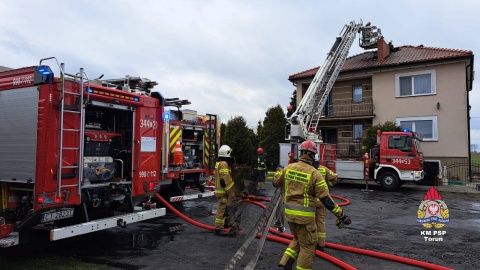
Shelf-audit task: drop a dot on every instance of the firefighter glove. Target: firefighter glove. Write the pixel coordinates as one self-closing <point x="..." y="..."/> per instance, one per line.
<point x="222" y="183"/>
<point x="344" y="220"/>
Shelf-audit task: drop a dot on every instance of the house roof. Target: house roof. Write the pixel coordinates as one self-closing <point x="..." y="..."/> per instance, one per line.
<point x="399" y="56"/>
<point x="2" y="68"/>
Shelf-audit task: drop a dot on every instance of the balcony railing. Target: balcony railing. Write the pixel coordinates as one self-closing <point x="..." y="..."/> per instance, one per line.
<point x="349" y="108"/>
<point x="349" y="149"/>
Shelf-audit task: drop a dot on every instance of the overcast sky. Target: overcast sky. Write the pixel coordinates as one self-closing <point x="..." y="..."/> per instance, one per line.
<point x="230" y="58"/>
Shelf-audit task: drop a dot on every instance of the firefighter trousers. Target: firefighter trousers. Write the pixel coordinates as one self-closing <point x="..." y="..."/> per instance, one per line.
<point x="320" y="214"/>
<point x="302" y="247"/>
<point x="223" y="202"/>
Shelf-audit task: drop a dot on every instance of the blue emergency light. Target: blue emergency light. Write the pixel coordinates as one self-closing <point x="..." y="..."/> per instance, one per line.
<point x="135" y="99"/>
<point x="166" y="116"/>
<point x="90" y="90"/>
<point x="42" y="75"/>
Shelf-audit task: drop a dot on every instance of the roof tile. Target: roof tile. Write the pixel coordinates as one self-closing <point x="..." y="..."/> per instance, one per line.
<point x="400" y="55"/>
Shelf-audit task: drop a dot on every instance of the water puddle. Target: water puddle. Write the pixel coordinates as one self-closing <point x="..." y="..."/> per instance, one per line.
<point x="151" y="237"/>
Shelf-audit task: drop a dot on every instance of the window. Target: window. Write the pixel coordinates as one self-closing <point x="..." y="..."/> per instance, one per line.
<point x="415" y="83"/>
<point x="357" y="93"/>
<point x="357" y="132"/>
<point x="426" y="126"/>
<point x="399" y="143"/>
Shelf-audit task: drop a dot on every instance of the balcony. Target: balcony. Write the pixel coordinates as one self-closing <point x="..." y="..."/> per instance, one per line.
<point x="349" y="149"/>
<point x="344" y="109"/>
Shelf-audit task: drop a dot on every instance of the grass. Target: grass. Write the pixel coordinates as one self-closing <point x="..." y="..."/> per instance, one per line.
<point x="475" y="157"/>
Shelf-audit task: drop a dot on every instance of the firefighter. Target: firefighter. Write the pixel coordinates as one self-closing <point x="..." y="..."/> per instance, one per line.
<point x="261" y="169"/>
<point x="331" y="178"/>
<point x="289" y="111"/>
<point x="303" y="184"/>
<point x="224" y="190"/>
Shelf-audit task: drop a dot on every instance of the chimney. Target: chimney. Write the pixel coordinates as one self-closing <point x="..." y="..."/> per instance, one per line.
<point x="383" y="50"/>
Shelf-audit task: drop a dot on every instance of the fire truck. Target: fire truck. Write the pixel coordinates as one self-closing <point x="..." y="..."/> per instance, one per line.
<point x="397" y="158"/>
<point x="79" y="155"/>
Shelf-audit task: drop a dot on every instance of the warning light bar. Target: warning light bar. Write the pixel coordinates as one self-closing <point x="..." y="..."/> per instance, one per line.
<point x="115" y="95"/>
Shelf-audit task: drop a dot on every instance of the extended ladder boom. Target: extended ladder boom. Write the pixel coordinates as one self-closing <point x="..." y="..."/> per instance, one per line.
<point x="304" y="120"/>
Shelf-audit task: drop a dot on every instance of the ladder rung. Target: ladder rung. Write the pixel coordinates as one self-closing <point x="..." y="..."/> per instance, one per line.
<point x="70" y="111"/>
<point x="69" y="186"/>
<point x="71" y="129"/>
<point x="71" y="93"/>
<point x="71" y="148"/>
<point x="69" y="167"/>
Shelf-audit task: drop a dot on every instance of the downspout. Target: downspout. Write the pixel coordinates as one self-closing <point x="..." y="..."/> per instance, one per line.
<point x="469" y="88"/>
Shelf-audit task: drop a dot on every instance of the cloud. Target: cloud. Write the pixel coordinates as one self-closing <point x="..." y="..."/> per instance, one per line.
<point x="227" y="57"/>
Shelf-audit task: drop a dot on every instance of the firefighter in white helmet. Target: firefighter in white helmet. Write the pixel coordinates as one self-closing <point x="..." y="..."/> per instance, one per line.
<point x="331" y="178"/>
<point x="224" y="190"/>
<point x="303" y="185"/>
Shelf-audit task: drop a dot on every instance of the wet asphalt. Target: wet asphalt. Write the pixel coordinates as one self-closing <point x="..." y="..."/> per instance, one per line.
<point x="381" y="221"/>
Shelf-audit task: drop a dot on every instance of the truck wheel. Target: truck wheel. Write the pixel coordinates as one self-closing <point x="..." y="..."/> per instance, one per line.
<point x="389" y="181"/>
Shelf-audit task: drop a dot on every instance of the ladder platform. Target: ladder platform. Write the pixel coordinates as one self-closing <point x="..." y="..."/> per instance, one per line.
<point x="106" y="223"/>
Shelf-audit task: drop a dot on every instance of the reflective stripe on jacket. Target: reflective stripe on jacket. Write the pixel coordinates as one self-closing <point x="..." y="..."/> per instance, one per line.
<point x="261" y="163"/>
<point x="222" y="171"/>
<point x="303" y="184"/>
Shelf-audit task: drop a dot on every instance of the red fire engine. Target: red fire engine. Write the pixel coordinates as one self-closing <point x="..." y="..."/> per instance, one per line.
<point x="80" y="155"/>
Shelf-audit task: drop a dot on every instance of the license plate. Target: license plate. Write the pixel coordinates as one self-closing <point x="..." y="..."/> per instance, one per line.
<point x="56" y="215"/>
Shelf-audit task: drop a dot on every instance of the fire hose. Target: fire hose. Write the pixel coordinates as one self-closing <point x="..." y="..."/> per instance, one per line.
<point x="285" y="238"/>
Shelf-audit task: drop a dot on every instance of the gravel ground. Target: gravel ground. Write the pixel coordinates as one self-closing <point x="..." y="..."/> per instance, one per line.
<point x="381" y="221"/>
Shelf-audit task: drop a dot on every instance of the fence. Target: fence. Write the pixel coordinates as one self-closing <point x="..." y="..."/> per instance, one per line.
<point x="455" y="175"/>
<point x="459" y="172"/>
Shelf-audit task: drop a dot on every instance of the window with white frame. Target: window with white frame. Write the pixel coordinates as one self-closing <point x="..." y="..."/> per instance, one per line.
<point x="426" y="126"/>
<point x="357" y="132"/>
<point x="415" y="83"/>
<point x="357" y="93"/>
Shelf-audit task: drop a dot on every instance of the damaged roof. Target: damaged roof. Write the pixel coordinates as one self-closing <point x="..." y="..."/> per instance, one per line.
<point x="2" y="68"/>
<point x="399" y="56"/>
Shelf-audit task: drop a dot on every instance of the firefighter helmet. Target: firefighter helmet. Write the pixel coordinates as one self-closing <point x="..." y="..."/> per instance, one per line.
<point x="260" y="151"/>
<point x="224" y="151"/>
<point x="308" y="146"/>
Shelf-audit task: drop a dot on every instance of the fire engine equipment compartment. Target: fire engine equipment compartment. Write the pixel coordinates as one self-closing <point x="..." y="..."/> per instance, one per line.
<point x="107" y="144"/>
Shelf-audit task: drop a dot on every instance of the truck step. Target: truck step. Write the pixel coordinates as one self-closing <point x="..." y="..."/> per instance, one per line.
<point x="106" y="223"/>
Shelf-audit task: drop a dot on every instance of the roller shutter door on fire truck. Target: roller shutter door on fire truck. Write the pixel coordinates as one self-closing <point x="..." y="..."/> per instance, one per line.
<point x="18" y="133"/>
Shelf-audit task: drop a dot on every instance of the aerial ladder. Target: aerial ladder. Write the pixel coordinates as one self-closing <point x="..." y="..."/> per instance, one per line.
<point x="303" y="124"/>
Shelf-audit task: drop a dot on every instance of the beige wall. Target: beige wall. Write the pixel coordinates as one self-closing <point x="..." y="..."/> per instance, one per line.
<point x="452" y="116"/>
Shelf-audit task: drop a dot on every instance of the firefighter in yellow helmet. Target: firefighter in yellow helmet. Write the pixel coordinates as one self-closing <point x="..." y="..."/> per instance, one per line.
<point x="224" y="190"/>
<point x="303" y="184"/>
<point x="331" y="178"/>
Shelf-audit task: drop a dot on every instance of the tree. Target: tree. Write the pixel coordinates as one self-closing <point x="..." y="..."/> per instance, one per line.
<point x="293" y="100"/>
<point x="238" y="136"/>
<point x="223" y="131"/>
<point x="473" y="148"/>
<point x="272" y="133"/>
<point x="370" y="139"/>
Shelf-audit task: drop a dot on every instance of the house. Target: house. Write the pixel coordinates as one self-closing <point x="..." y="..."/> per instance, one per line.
<point x="420" y="88"/>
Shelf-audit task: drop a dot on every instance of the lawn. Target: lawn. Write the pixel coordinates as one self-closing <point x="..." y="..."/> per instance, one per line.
<point x="475" y="157"/>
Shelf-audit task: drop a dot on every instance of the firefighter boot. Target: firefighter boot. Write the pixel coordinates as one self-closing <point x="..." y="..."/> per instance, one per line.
<point x="320" y="248"/>
<point x="221" y="233"/>
<point x="288" y="265"/>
